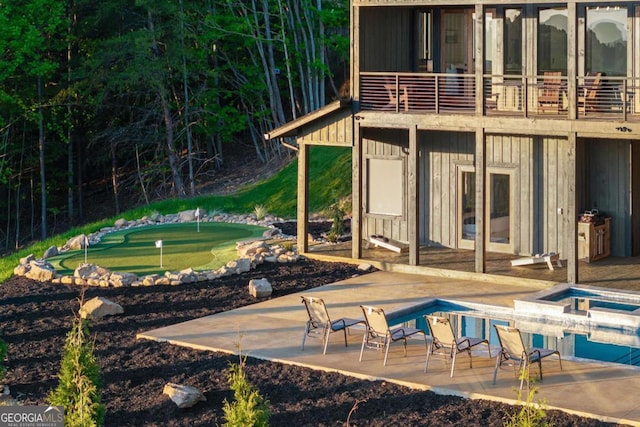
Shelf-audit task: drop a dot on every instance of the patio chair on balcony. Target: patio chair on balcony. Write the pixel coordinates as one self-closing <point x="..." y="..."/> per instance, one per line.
<point x="320" y="325"/>
<point x="588" y="98"/>
<point x="512" y="349"/>
<point x="549" y="95"/>
<point x="380" y="336"/>
<point x="444" y="339"/>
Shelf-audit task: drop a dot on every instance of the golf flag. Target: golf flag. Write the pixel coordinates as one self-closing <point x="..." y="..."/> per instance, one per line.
<point x="86" y="242"/>
<point x="198" y="213"/>
<point x="158" y="243"/>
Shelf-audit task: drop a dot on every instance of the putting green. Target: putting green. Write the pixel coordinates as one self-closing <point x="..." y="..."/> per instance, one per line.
<point x="136" y="250"/>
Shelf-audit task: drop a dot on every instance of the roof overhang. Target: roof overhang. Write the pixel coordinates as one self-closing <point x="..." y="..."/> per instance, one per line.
<point x="293" y="127"/>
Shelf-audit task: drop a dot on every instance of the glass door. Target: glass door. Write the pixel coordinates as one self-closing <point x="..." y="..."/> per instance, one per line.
<point x="467" y="208"/>
<point x="499" y="209"/>
<point x="457" y="41"/>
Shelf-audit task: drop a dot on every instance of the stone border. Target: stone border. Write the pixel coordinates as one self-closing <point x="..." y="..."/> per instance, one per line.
<point x="250" y="254"/>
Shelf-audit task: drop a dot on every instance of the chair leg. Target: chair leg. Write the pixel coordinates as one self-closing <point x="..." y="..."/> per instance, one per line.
<point x="345" y="336"/>
<point x="364" y="340"/>
<point x="428" y="343"/>
<point x="453" y="361"/>
<point x="495" y="370"/>
<point x="523" y="372"/>
<point x="387" y="344"/>
<point x="304" y="337"/>
<point x="326" y="338"/>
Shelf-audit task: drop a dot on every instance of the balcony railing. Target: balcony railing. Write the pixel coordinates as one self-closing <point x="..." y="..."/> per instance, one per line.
<point x="546" y="95"/>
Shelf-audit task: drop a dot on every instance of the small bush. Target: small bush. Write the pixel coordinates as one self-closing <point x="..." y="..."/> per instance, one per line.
<point x="260" y="211"/>
<point x="79" y="385"/>
<point x="531" y="414"/>
<point x="248" y="409"/>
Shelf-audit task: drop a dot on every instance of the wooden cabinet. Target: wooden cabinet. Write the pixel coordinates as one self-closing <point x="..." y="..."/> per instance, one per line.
<point x="594" y="241"/>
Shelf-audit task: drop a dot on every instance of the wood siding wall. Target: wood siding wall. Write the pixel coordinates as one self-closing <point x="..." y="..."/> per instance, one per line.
<point x="385" y="144"/>
<point x="334" y="130"/>
<point x="607" y="178"/>
<point x="378" y="50"/>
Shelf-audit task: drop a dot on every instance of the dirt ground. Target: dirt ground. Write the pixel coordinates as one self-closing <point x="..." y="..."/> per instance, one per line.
<point x="35" y="317"/>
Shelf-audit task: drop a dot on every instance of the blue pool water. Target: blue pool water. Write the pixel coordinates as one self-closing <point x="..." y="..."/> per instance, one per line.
<point x="580" y="300"/>
<point x="595" y="343"/>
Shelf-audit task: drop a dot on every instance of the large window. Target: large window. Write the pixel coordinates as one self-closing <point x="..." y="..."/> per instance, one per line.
<point x="552" y="40"/>
<point x="606" y="40"/>
<point x="425" y="41"/>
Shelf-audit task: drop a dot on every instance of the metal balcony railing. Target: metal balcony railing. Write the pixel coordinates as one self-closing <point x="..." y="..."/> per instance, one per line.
<point x="597" y="96"/>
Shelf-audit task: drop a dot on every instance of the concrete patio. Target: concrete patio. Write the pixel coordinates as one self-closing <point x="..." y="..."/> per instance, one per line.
<point x="273" y="329"/>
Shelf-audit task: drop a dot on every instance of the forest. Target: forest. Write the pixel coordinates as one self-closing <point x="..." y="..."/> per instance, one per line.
<point x="131" y="101"/>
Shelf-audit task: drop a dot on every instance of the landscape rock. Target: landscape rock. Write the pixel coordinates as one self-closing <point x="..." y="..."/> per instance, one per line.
<point x="187" y="216"/>
<point x="121" y="223"/>
<point x="41" y="271"/>
<point x="365" y="267"/>
<point x="90" y="271"/>
<point x="260" y="288"/>
<point x="50" y="252"/>
<point x="26" y="260"/>
<point x="184" y="396"/>
<point x="119" y="279"/>
<point x="78" y="242"/>
<point x="99" y="307"/>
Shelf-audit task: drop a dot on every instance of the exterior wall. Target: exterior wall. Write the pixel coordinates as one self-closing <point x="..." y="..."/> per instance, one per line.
<point x="538" y="191"/>
<point x="441" y="153"/>
<point x="334" y="130"/>
<point x="385" y="144"/>
<point x="378" y="51"/>
<point x="607" y="178"/>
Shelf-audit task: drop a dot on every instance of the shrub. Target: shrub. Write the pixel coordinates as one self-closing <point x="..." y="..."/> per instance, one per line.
<point x="79" y="385"/>
<point x="260" y="211"/>
<point x="248" y="408"/>
<point x="531" y="414"/>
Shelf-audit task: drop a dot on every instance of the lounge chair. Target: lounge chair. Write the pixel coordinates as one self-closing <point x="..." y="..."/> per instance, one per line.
<point x="444" y="339"/>
<point x="319" y="323"/>
<point x="549" y="96"/>
<point x="379" y="335"/>
<point x="512" y="349"/>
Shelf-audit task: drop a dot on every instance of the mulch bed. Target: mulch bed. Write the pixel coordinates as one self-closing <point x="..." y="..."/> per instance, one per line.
<point x="35" y="318"/>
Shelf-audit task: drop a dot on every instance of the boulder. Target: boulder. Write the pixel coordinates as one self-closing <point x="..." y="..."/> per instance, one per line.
<point x="40" y="271"/>
<point x="121" y="223"/>
<point x="119" y="279"/>
<point x="79" y="242"/>
<point x="252" y="248"/>
<point x="260" y="288"/>
<point x="187" y="216"/>
<point x="184" y="396"/>
<point x="99" y="307"/>
<point x="90" y="270"/>
<point x="26" y="260"/>
<point x="50" y="252"/>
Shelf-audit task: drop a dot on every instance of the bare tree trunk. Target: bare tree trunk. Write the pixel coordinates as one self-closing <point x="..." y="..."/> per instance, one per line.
<point x="192" y="181"/>
<point x="43" y="181"/>
<point x="114" y="178"/>
<point x="144" y="190"/>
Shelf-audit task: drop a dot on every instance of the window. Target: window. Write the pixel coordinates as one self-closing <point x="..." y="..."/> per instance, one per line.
<point x="385" y="186"/>
<point x="513" y="41"/>
<point x="467" y="207"/>
<point x="606" y="40"/>
<point x="552" y="40"/>
<point x="425" y="41"/>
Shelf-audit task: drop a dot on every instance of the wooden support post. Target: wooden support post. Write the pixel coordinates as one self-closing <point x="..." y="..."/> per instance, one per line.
<point x="303" y="198"/>
<point x="413" y="192"/>
<point x="481" y="197"/>
<point x="356" y="192"/>
<point x="571" y="214"/>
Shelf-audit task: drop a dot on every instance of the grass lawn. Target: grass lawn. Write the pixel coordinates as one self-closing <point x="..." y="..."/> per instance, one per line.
<point x="134" y="250"/>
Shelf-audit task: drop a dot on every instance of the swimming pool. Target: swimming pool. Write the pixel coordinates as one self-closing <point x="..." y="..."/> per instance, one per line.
<point x="574" y="340"/>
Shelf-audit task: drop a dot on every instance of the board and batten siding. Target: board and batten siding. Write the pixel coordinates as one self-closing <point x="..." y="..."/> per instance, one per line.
<point x="334" y="130"/>
<point x="378" y="51"/>
<point x="389" y="144"/>
<point x="536" y="164"/>
<point x="607" y="176"/>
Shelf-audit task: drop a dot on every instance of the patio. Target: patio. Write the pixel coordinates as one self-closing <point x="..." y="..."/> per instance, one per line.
<point x="272" y="330"/>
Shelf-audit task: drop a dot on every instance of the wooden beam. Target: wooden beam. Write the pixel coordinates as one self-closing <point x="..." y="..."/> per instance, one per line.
<point x="413" y="217"/>
<point x="571" y="215"/>
<point x="303" y="199"/>
<point x="356" y="193"/>
<point x="481" y="197"/>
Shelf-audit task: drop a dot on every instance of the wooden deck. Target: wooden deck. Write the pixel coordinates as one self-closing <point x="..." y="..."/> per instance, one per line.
<point x="610" y="272"/>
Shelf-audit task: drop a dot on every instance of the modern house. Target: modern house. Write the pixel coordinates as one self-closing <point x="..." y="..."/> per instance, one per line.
<point x="488" y="126"/>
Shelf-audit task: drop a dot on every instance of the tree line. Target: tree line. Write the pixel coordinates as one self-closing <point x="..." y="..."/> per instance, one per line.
<point x="145" y="98"/>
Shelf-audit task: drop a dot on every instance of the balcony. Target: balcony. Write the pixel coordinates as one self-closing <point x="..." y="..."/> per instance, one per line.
<point x="597" y="96"/>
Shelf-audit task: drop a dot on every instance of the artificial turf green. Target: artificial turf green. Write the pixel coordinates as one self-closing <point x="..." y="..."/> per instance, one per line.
<point x="134" y="250"/>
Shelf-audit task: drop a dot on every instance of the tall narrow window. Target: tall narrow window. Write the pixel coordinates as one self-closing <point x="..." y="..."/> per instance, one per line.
<point x="425" y="41"/>
<point x="552" y="40"/>
<point x="513" y="41"/>
<point x="606" y="40"/>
